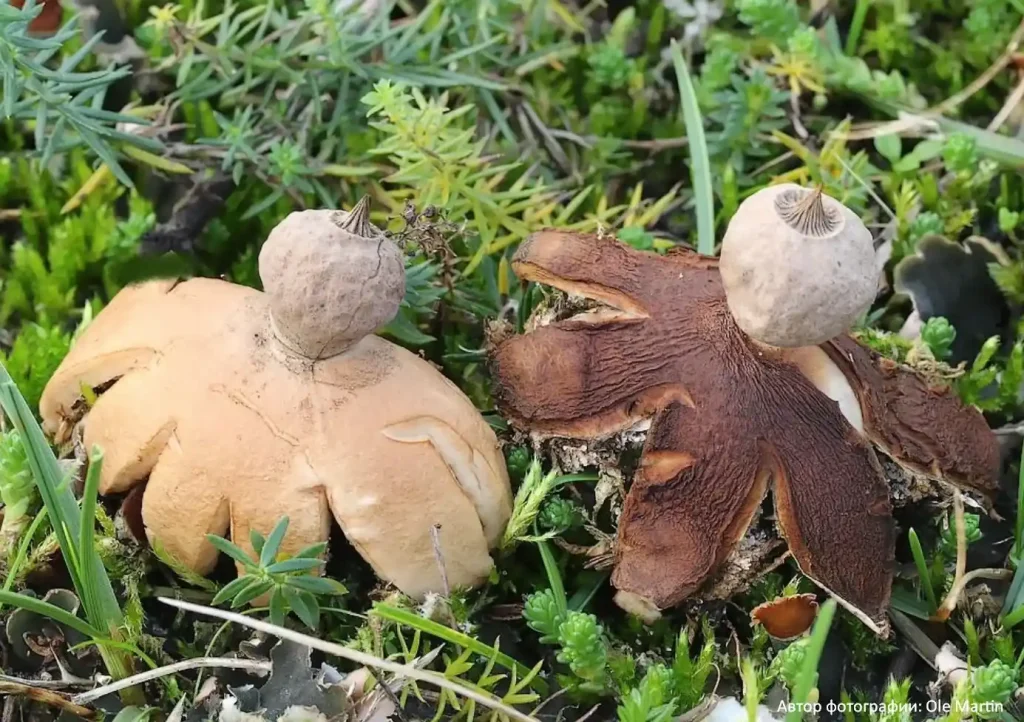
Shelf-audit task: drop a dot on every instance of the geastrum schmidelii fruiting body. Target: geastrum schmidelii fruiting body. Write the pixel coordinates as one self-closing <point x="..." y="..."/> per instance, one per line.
<point x="237" y="407"/>
<point x="741" y="368"/>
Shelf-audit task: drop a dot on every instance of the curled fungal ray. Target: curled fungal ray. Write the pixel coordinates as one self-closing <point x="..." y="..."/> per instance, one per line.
<point x="475" y="476"/>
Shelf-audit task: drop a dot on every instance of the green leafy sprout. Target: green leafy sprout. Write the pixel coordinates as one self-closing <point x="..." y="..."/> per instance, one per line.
<point x="286" y="579"/>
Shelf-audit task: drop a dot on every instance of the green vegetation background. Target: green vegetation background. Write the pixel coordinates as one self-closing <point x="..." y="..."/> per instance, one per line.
<point x="472" y="123"/>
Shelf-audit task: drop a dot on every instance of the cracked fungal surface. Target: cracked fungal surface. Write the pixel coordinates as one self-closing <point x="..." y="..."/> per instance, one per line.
<point x="234" y="428"/>
<point x="730" y="419"/>
<point x="332" y="278"/>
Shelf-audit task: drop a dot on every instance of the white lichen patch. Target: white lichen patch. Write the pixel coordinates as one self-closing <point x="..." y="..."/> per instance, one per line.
<point x="297" y="713"/>
<point x="980" y="603"/>
<point x="906" y="487"/>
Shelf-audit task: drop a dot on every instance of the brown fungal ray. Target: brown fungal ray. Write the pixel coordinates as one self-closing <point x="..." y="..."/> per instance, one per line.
<point x="923" y="426"/>
<point x="728" y="416"/>
<point x="786" y="618"/>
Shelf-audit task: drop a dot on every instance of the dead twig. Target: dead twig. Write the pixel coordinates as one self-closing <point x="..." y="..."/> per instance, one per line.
<point x="653" y="145"/>
<point x="52" y="684"/>
<point x="190" y="216"/>
<point x="656" y="144"/>
<point x="958" y="587"/>
<point x="960" y="579"/>
<point x="590" y="713"/>
<point x="47" y="697"/>
<point x="1012" y="101"/>
<point x="794" y="116"/>
<point x="986" y="77"/>
<point x="949" y="603"/>
<point x="765" y="167"/>
<point x="1010" y="430"/>
<point x="253" y="665"/>
<point x="549" y="699"/>
<point x="912" y="121"/>
<point x="554" y="149"/>
<point x="435" y="540"/>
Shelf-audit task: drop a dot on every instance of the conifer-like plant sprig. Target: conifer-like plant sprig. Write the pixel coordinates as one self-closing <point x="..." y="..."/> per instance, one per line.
<point x="65" y="104"/>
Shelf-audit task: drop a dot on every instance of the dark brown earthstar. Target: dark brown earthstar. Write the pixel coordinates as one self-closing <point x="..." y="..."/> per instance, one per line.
<point x="730" y="418"/>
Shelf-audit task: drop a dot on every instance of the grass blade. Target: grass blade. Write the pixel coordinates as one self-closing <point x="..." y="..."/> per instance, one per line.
<point x="1018" y="529"/>
<point x="809" y="671"/>
<point x="860" y="13"/>
<point x="51" y="611"/>
<point x="922" y="570"/>
<point x="1014" y="618"/>
<point x="554" y="575"/>
<point x="86" y="537"/>
<point x="100" y="605"/>
<point x="23" y="549"/>
<point x="1015" y="596"/>
<point x="700" y="166"/>
<point x="414" y="621"/>
<point x="57" y="496"/>
<point x="581" y="598"/>
<point x="1001" y="148"/>
<point x="910" y="603"/>
<point x="155" y="161"/>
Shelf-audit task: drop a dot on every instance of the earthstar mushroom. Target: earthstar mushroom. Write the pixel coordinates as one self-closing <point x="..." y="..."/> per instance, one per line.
<point x="730" y="418"/>
<point x="237" y="407"/>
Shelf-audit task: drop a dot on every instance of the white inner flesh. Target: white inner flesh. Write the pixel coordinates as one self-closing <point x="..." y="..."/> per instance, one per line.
<point x="821" y="371"/>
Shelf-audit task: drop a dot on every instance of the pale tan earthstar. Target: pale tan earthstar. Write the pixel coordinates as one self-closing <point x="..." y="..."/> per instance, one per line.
<point x="238" y="407"/>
